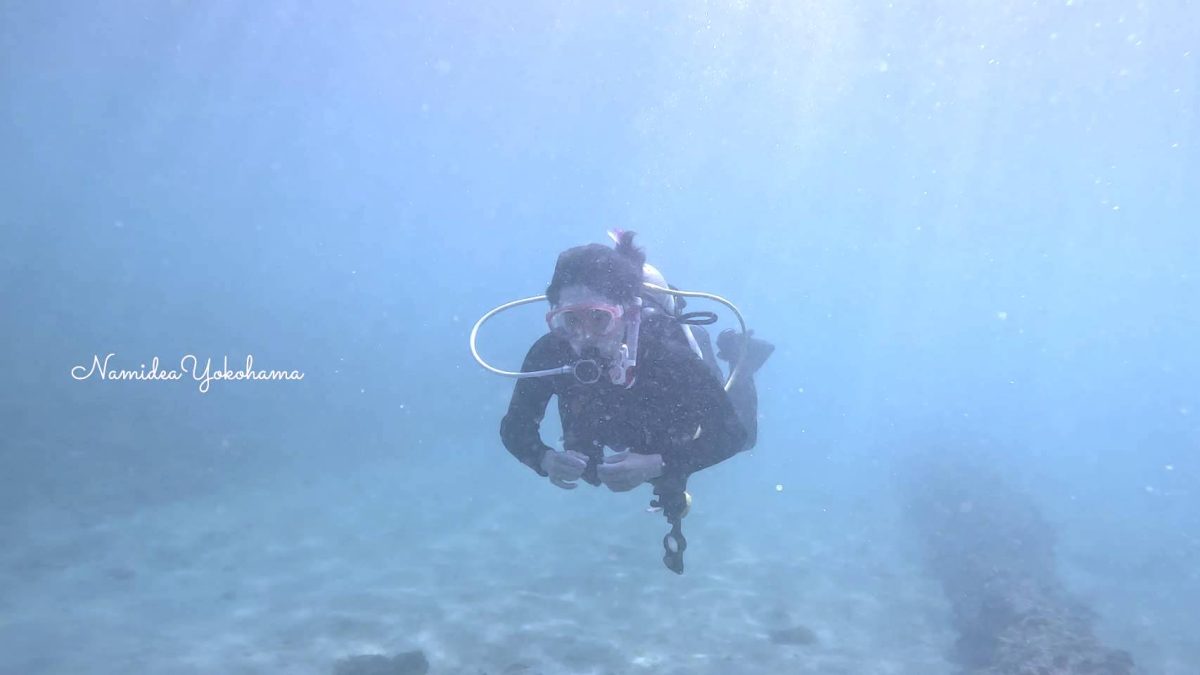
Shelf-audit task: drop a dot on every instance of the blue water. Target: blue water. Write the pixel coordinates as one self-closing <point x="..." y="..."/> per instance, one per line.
<point x="964" y="226"/>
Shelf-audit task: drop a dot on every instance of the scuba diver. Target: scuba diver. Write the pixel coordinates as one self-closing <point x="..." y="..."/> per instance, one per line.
<point x="635" y="374"/>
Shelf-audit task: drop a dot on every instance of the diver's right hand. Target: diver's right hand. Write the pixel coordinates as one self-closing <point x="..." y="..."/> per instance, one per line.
<point x="564" y="468"/>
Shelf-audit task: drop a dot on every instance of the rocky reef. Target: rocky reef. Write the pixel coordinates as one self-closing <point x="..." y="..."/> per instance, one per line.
<point x="993" y="553"/>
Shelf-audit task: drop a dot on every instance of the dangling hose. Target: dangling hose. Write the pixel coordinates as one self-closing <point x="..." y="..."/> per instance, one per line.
<point x="674" y="502"/>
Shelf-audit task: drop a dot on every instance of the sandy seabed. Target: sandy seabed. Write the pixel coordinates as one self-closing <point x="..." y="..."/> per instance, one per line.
<point x="291" y="576"/>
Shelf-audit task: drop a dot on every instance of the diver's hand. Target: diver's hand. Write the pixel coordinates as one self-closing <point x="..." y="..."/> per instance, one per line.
<point x="624" y="471"/>
<point x="564" y="468"/>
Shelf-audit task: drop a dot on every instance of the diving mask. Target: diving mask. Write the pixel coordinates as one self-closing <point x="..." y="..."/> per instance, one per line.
<point x="584" y="319"/>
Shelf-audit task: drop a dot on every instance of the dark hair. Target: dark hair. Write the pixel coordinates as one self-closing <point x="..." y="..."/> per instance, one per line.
<point x="613" y="272"/>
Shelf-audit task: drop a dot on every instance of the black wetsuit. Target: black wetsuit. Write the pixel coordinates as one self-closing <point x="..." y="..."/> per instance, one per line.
<point x="674" y="395"/>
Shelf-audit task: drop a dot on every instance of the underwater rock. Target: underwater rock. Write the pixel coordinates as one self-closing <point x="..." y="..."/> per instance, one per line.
<point x="796" y="635"/>
<point x="407" y="663"/>
<point x="994" y="556"/>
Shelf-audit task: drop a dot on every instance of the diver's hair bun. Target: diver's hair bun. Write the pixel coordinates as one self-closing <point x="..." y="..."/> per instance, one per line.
<point x="628" y="249"/>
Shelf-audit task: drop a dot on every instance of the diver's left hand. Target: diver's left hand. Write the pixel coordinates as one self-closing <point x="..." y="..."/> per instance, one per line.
<point x="626" y="470"/>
